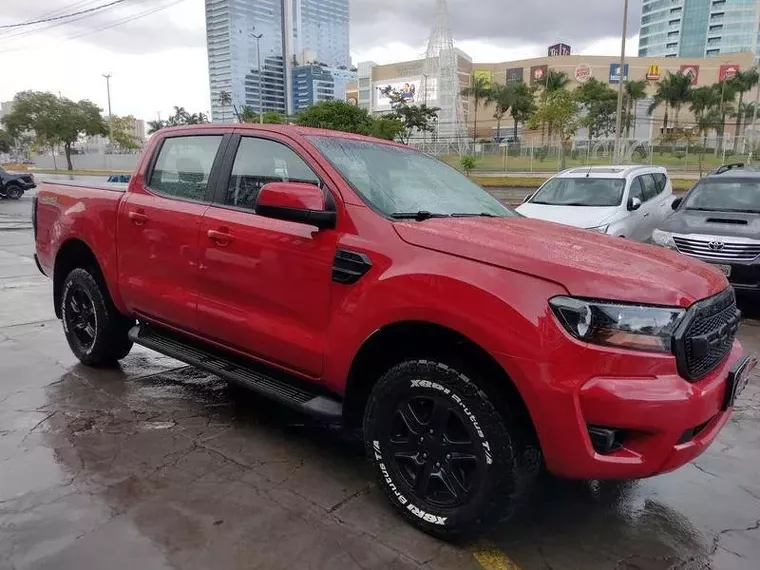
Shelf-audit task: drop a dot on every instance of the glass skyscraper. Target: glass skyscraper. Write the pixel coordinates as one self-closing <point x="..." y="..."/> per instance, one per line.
<point x="699" y="28"/>
<point x="287" y="28"/>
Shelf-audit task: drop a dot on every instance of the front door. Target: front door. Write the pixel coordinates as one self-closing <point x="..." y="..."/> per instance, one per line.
<point x="636" y="225"/>
<point x="265" y="284"/>
<point x="158" y="228"/>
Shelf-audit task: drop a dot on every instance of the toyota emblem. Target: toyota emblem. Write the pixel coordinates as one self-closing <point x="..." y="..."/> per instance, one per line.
<point x="716" y="245"/>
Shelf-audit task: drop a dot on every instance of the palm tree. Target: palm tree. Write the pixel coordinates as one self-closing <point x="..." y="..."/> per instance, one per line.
<point x="155" y="126"/>
<point x="523" y="104"/>
<point x="478" y="89"/>
<point x="634" y="92"/>
<point x="742" y="82"/>
<point x="673" y="91"/>
<point x="705" y="104"/>
<point x="502" y="98"/>
<point x="556" y="80"/>
<point x="225" y="100"/>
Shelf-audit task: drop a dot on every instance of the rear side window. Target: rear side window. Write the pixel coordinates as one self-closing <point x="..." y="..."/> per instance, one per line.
<point x="649" y="186"/>
<point x="183" y="166"/>
<point x="259" y="162"/>
<point x="661" y="180"/>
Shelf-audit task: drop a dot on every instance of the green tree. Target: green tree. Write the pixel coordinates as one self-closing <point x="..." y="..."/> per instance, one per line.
<point x="55" y="120"/>
<point x="555" y="80"/>
<point x="673" y="92"/>
<point x="467" y="163"/>
<point x="248" y="115"/>
<point x="742" y="82"/>
<point x="478" y="89"/>
<point x="6" y="141"/>
<point x="560" y="109"/>
<point x="225" y="101"/>
<point x="635" y="91"/>
<point x="155" y="126"/>
<point x="523" y="105"/>
<point x="705" y="105"/>
<point x="415" y="118"/>
<point x="502" y="97"/>
<point x="387" y="127"/>
<point x="599" y="101"/>
<point x="337" y="116"/>
<point x="122" y="132"/>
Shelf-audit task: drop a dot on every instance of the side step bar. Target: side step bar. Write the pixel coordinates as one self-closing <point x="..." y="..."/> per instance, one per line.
<point x="236" y="370"/>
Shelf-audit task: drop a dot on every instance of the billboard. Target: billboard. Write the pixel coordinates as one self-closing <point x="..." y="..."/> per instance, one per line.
<point x="558" y="49"/>
<point x="615" y="73"/>
<point x="485" y="74"/>
<point x="410" y="89"/>
<point x="514" y="74"/>
<point x="727" y="72"/>
<point x="538" y="74"/>
<point x="692" y="70"/>
<point x="654" y="73"/>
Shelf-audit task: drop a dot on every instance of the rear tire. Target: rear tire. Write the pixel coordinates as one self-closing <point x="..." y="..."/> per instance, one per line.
<point x="94" y="328"/>
<point x="448" y="461"/>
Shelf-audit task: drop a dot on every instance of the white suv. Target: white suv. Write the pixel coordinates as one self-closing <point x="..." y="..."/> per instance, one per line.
<point x="623" y="201"/>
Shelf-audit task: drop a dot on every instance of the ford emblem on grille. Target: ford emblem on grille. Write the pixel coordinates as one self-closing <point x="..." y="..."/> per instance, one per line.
<point x="716" y="245"/>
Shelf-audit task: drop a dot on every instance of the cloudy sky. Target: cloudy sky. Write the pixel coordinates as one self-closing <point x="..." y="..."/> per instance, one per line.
<point x="155" y="49"/>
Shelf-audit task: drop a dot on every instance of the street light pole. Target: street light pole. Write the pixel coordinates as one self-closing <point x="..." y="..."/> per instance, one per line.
<point x="621" y="87"/>
<point x="110" y="122"/>
<point x="258" y="65"/>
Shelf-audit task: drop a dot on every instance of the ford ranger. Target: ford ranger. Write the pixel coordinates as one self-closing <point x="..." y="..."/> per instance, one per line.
<point x="365" y="283"/>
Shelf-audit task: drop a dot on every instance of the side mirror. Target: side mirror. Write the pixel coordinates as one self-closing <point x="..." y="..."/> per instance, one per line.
<point x="634" y="204"/>
<point x="528" y="197"/>
<point x="295" y="202"/>
<point x="676" y="203"/>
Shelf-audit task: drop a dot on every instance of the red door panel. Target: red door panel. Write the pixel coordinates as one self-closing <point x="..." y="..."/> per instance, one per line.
<point x="264" y="287"/>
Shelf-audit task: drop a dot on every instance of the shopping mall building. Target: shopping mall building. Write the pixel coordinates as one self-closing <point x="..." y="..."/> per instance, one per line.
<point x="408" y="76"/>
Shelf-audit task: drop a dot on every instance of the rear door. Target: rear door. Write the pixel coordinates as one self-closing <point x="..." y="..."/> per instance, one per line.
<point x="264" y="283"/>
<point x="158" y="225"/>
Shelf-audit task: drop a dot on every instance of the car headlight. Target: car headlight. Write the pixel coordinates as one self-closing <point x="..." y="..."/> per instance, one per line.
<point x="599" y="229"/>
<point x="665" y="239"/>
<point x="637" y="327"/>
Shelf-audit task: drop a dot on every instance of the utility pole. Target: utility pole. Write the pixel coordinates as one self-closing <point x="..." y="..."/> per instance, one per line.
<point x="257" y="37"/>
<point x="621" y="88"/>
<point x="110" y="122"/>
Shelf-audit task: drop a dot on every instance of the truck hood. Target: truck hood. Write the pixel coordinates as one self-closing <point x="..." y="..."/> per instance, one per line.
<point x="586" y="264"/>
<point x="576" y="216"/>
<point x="723" y="224"/>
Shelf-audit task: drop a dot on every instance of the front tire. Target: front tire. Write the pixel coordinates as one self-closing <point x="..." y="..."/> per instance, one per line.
<point x="13" y="191"/>
<point x="448" y="461"/>
<point x="94" y="328"/>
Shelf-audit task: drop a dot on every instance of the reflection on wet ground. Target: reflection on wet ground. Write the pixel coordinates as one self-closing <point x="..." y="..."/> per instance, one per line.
<point x="157" y="465"/>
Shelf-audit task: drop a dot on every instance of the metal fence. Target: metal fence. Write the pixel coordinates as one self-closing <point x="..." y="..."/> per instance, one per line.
<point x="692" y="157"/>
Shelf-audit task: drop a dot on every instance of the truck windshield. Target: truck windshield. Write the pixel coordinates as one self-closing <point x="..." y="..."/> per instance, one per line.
<point x="402" y="182"/>
<point x="580" y="192"/>
<point x="725" y="195"/>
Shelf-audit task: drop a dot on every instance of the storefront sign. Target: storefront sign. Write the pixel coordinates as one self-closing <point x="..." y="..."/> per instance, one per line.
<point x="538" y="74"/>
<point x="514" y="74"/>
<point x="583" y="73"/>
<point x="653" y="73"/>
<point x="727" y="72"/>
<point x="692" y="70"/>
<point x="615" y="73"/>
<point x="559" y="49"/>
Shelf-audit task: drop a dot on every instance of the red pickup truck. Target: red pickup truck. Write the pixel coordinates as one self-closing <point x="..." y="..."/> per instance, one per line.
<point x="363" y="282"/>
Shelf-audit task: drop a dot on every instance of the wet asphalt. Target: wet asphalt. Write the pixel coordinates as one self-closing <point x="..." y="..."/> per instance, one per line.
<point x="156" y="465"/>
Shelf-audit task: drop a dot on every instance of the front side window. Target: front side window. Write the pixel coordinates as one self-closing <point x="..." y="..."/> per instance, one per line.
<point x="259" y="162"/>
<point x="725" y="195"/>
<point x="399" y="181"/>
<point x="637" y="189"/>
<point x="184" y="165"/>
<point x="602" y="192"/>
<point x="649" y="187"/>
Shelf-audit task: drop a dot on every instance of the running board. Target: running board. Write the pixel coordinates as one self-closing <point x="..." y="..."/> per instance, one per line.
<point x="236" y="370"/>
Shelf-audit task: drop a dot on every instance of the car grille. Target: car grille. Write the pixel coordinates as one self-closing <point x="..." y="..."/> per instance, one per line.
<point x="717" y="248"/>
<point x="705" y="337"/>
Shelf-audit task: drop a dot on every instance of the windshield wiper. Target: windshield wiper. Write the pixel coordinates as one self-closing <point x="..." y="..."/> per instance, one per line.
<point x="478" y="215"/>
<point x="420" y="216"/>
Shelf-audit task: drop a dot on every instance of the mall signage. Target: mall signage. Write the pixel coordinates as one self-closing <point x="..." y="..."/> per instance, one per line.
<point x="692" y="70"/>
<point x="727" y="72"/>
<point x="615" y="73"/>
<point x="538" y="74"/>
<point x="653" y="73"/>
<point x="583" y="73"/>
<point x="514" y="74"/>
<point x="559" y="49"/>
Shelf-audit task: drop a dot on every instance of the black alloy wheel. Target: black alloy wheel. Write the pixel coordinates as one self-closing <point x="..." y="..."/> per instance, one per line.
<point x="434" y="451"/>
<point x="81" y="317"/>
<point x="13" y="191"/>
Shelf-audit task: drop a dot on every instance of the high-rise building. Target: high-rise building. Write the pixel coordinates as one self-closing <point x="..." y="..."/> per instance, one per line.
<point x="252" y="47"/>
<point x="699" y="28"/>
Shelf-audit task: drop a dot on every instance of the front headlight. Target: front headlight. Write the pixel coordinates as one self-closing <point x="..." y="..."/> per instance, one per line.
<point x="665" y="239"/>
<point x="636" y="327"/>
<point x="599" y="229"/>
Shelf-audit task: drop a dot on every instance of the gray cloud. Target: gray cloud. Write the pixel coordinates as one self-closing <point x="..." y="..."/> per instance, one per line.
<point x="506" y="23"/>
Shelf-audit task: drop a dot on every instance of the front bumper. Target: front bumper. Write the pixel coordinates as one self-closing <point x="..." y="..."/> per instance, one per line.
<point x="666" y="420"/>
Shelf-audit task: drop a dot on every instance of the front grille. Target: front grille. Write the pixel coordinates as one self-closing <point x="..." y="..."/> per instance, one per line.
<point x="705" y="337"/>
<point x="718" y="248"/>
